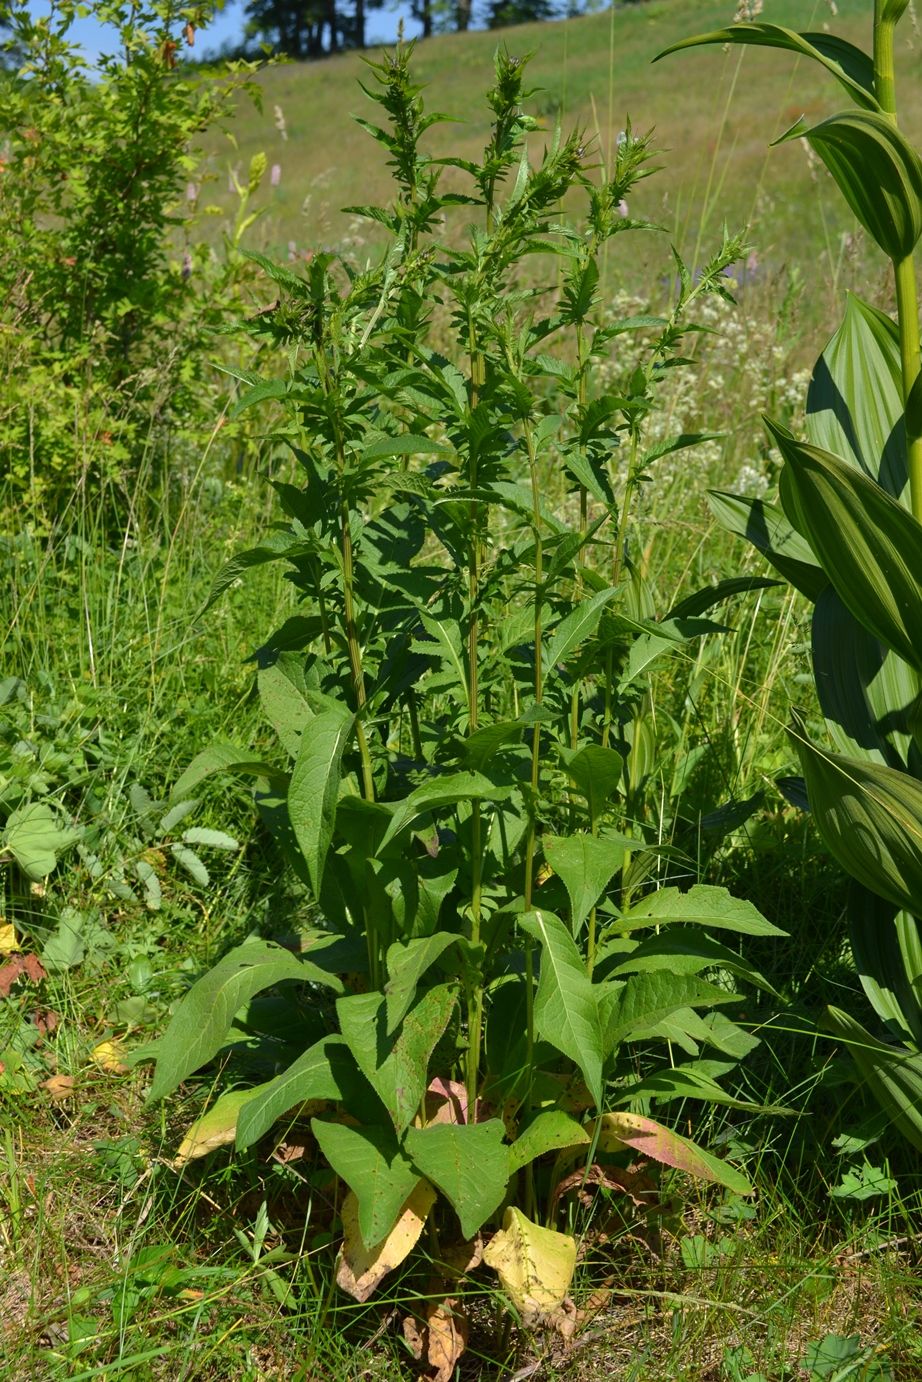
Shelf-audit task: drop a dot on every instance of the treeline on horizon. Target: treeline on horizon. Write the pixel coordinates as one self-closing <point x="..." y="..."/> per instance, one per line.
<point x="308" y="29"/>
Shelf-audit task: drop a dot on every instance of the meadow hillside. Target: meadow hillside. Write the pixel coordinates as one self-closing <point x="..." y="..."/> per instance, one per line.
<point x="712" y="113"/>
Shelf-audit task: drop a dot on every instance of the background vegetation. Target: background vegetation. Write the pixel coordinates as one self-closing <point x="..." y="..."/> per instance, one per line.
<point x="128" y="481"/>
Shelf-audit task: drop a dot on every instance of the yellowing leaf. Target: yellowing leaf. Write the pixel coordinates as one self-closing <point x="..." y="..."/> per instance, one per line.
<point x="360" y="1269"/>
<point x="535" y="1265"/>
<point x="215" y="1128"/>
<point x="8" y="941"/>
<point x="108" y="1056"/>
<point x="651" y="1139"/>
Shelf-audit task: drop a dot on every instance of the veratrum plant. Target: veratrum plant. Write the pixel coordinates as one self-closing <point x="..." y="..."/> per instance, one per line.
<point x="848" y="535"/>
<point x="459" y="700"/>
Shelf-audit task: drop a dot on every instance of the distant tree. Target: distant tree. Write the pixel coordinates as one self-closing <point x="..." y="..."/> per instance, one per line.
<point x="308" y="28"/>
<point x="501" y="13"/>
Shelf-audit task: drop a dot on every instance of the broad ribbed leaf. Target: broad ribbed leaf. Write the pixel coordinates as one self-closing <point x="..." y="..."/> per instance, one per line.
<point x="587" y="864"/>
<point x="375" y="1168"/>
<point x="314" y="787"/>
<point x="395" y="1067"/>
<point x="869" y="545"/>
<point x="201" y="1021"/>
<point x="702" y="905"/>
<point x="849" y="65"/>
<point x="866" y="692"/>
<point x="893" y="1073"/>
<point x="468" y="1163"/>
<point x="870" y="818"/>
<point x="566" y="1009"/>
<point x="765" y="526"/>
<point x="877" y="171"/>
<point x="855" y="398"/>
<point x="888" y="956"/>
<point x="712" y="595"/>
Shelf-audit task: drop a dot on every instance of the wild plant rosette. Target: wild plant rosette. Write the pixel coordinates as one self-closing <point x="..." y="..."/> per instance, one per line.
<point x="462" y="704"/>
<point x="847" y="533"/>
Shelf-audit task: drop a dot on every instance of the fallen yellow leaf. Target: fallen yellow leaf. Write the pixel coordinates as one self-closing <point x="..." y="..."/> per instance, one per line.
<point x="535" y="1265"/>
<point x="448" y="1331"/>
<point x="8" y="941"/>
<point x="108" y="1056"/>
<point x="215" y="1128"/>
<point x="360" y="1268"/>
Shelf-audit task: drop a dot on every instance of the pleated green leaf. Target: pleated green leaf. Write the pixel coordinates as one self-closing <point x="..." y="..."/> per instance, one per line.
<point x="870" y="818"/>
<point x="870" y="547"/>
<point x="848" y="64"/>
<point x="866" y="692"/>
<point x="893" y="1073"/>
<point x="877" y="171"/>
<point x="765" y="526"/>
<point x="887" y="949"/>
<point x="855" y="398"/>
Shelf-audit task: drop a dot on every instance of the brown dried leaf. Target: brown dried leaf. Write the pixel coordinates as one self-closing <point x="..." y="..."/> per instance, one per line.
<point x="361" y="1269"/>
<point x="59" y="1087"/>
<point x="447" y="1340"/>
<point x="446" y="1102"/>
<point x="45" y="1021"/>
<point x="460" y="1258"/>
<point x="27" y="966"/>
<point x="413" y="1336"/>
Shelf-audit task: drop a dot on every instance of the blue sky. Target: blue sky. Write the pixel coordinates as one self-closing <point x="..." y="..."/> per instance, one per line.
<point x="228" y="27"/>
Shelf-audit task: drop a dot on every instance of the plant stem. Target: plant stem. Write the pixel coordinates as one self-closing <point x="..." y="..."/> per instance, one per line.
<point x="475" y="991"/>
<point x="904" y="272"/>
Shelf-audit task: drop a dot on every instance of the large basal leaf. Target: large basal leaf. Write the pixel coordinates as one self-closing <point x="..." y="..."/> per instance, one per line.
<point x="376" y="1169"/>
<point x="855" y="398"/>
<point x="869" y="545"/>
<point x="893" y="1074"/>
<point x="870" y="818"/>
<point x="850" y="66"/>
<point x="201" y="1021"/>
<point x="702" y="905"/>
<point x="469" y="1164"/>
<point x="318" y="1073"/>
<point x="440" y="792"/>
<point x="765" y="526"/>
<point x="360" y="1270"/>
<point x="548" y="1132"/>
<point x="620" y="1129"/>
<point x="877" y="171"/>
<point x="867" y="693"/>
<point x="566" y="1009"/>
<point x="587" y="864"/>
<point x="396" y="1067"/>
<point x="535" y="1265"/>
<point x="314" y="787"/>
<point x="887" y="949"/>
